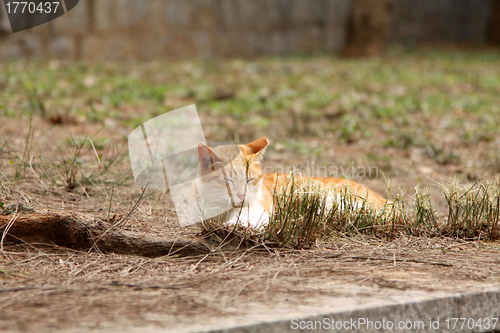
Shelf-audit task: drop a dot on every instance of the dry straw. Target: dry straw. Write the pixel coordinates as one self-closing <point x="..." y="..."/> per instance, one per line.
<point x="303" y="215"/>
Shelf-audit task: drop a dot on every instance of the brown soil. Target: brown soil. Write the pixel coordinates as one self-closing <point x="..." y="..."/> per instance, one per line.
<point x="45" y="287"/>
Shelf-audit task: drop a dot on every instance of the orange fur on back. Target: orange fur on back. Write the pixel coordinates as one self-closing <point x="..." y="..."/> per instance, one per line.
<point x="277" y="181"/>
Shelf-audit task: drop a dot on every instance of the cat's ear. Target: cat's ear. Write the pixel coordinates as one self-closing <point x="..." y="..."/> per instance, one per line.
<point x="258" y="147"/>
<point x="206" y="156"/>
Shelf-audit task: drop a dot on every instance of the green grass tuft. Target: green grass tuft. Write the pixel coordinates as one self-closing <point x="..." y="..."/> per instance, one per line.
<point x="302" y="216"/>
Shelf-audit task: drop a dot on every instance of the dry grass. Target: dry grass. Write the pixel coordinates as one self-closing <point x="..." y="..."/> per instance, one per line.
<point x="356" y="113"/>
<point x="473" y="210"/>
<point x="302" y="217"/>
<point x="46" y="288"/>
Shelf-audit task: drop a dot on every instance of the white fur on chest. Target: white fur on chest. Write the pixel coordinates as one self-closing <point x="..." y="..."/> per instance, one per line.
<point x="251" y="214"/>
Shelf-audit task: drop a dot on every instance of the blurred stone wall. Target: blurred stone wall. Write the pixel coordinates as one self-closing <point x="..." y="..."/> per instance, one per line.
<point x="145" y="29"/>
<point x="465" y="21"/>
<point x="148" y="29"/>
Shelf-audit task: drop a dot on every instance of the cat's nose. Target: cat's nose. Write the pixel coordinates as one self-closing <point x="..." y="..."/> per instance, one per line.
<point x="241" y="196"/>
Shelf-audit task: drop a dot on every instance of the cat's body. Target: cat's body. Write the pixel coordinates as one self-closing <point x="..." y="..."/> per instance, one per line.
<point x="231" y="177"/>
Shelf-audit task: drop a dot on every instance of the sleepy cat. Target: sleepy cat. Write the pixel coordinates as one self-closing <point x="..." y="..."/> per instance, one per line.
<point x="231" y="179"/>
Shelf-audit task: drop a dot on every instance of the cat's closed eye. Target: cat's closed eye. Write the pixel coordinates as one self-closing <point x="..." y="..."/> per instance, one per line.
<point x="227" y="180"/>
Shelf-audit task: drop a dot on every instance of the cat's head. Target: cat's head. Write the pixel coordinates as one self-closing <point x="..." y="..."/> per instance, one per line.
<point x="231" y="172"/>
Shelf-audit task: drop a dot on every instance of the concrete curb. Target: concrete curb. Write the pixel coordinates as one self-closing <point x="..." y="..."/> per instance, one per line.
<point x="436" y="315"/>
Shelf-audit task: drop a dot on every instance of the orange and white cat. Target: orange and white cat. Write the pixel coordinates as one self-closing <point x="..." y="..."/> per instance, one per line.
<point x="231" y="180"/>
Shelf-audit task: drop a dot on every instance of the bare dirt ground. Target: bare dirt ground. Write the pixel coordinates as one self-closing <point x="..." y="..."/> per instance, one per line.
<point x="45" y="288"/>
